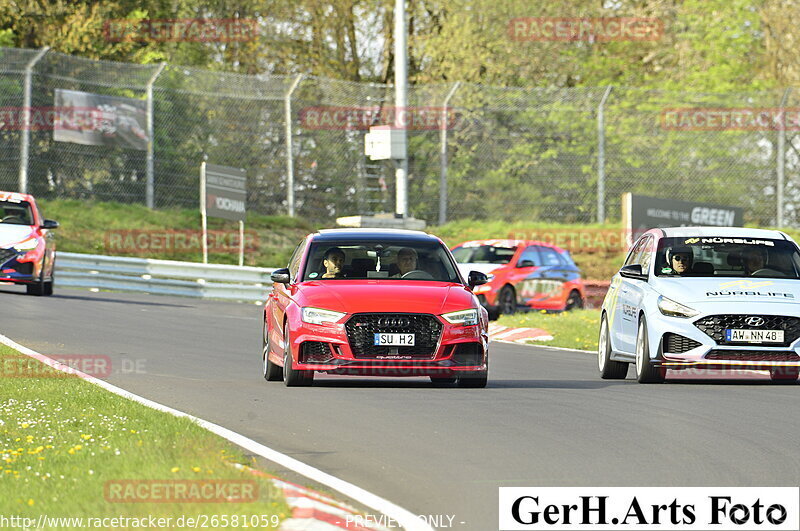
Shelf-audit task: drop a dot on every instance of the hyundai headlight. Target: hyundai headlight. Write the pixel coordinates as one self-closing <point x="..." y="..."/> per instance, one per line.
<point x="320" y="316"/>
<point x="462" y="317"/>
<point x="675" y="309"/>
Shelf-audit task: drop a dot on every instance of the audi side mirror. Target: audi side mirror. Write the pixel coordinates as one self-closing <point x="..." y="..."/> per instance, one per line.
<point x="280" y="276"/>
<point x="476" y="278"/>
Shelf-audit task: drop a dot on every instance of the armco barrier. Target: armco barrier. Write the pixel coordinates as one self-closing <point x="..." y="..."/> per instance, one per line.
<point x="163" y="277"/>
<point x="595" y="292"/>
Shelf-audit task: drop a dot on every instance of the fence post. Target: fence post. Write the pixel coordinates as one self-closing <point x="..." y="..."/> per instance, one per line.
<point x="25" y="137"/>
<point x="443" y="156"/>
<point x="781" y="159"/>
<point x="287" y="103"/>
<point x="150" y="181"/>
<point x="601" y="158"/>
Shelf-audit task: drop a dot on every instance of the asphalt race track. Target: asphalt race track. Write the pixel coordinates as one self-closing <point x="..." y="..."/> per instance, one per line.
<point x="545" y="420"/>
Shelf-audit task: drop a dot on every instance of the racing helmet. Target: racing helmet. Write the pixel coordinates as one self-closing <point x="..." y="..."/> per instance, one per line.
<point x="679" y="249"/>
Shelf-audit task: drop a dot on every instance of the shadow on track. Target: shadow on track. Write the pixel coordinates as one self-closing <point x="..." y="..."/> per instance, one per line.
<point x="365" y="382"/>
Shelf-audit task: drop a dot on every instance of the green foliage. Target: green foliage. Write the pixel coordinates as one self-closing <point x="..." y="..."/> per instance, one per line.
<point x="7" y="37"/>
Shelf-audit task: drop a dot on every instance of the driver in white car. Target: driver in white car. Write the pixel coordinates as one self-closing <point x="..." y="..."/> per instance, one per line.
<point x="406" y="261"/>
<point x="754" y="260"/>
<point x="680" y="260"/>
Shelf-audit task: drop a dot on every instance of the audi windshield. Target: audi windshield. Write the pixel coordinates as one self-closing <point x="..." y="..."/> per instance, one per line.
<point x="402" y="260"/>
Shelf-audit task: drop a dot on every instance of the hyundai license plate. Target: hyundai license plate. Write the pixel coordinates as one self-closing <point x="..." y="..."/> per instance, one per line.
<point x="738" y="335"/>
<point x="394" y="340"/>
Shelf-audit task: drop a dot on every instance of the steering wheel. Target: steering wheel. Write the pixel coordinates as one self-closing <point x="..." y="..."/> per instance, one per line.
<point x="767" y="272"/>
<point x="14" y="218"/>
<point x="418" y="274"/>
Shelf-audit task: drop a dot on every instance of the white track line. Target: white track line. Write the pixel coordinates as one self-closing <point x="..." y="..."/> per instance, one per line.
<point x="407" y="519"/>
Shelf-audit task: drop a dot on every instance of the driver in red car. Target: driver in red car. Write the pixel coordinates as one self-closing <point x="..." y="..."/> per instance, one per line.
<point x="406" y="261"/>
<point x="333" y="262"/>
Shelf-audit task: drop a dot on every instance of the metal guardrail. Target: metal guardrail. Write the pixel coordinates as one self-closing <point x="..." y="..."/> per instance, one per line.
<point x="163" y="277"/>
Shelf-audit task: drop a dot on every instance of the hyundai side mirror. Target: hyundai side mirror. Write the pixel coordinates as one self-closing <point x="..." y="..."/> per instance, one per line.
<point x="280" y="276"/>
<point x="50" y="224"/>
<point x="632" y="271"/>
<point x="476" y="278"/>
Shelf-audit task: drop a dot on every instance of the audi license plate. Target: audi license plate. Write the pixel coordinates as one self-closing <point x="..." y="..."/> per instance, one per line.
<point x="753" y="336"/>
<point x="394" y="340"/>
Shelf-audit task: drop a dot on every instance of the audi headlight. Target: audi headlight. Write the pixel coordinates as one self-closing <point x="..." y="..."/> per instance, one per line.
<point x="320" y="316"/>
<point x="462" y="317"/>
<point x="675" y="309"/>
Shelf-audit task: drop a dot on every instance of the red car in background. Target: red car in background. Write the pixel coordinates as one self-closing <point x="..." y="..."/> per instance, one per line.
<point x="27" y="249"/>
<point x="374" y="302"/>
<point x="523" y="275"/>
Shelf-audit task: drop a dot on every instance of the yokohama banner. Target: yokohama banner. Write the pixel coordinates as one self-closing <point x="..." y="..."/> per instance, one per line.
<point x="96" y="120"/>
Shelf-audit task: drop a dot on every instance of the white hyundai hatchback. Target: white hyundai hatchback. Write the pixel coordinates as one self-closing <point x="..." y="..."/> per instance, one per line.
<point x="704" y="297"/>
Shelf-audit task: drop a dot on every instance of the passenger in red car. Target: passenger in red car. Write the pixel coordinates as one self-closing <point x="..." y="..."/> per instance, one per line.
<point x="406" y="261"/>
<point x="333" y="263"/>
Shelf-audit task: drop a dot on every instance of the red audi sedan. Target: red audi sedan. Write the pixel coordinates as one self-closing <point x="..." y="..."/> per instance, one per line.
<point x="375" y="302"/>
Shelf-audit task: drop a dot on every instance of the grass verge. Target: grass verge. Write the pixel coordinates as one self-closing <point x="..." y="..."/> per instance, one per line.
<point x="574" y="329"/>
<point x="69" y="448"/>
<point x="109" y="228"/>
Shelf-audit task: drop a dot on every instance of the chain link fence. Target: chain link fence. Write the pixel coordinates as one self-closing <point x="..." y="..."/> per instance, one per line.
<point x="539" y="154"/>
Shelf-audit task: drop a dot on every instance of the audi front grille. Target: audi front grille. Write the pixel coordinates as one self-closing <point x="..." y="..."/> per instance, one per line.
<point x="362" y="327"/>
